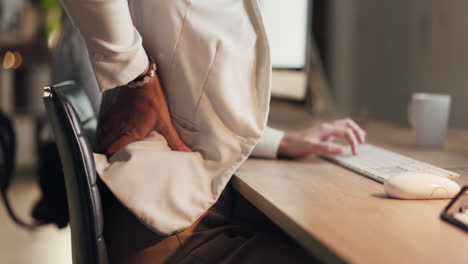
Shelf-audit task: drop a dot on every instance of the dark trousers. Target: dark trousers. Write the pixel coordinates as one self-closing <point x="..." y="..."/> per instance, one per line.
<point x="232" y="231"/>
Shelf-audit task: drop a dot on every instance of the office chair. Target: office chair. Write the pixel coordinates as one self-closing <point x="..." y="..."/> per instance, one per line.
<point x="74" y="124"/>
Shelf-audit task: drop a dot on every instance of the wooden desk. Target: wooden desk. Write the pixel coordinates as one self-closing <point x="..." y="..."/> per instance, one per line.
<point x="341" y="216"/>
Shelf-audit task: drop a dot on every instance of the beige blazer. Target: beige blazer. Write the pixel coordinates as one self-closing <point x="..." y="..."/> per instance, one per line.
<point x="213" y="60"/>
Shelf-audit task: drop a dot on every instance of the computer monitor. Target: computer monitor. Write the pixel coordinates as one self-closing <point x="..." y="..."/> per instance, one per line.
<point x="287" y="25"/>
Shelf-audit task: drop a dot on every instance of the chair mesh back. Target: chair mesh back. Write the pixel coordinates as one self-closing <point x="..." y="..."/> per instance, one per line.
<point x="73" y="121"/>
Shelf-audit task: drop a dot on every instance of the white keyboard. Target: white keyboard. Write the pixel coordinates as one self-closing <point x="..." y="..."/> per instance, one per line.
<point x="381" y="164"/>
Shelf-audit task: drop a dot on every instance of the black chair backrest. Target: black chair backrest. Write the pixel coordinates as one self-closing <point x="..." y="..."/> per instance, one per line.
<point x="74" y="124"/>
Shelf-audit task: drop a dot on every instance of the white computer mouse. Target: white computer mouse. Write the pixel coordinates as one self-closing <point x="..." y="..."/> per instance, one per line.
<point x="417" y="185"/>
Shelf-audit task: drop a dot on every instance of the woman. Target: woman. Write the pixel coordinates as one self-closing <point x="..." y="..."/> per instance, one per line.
<point x="172" y="152"/>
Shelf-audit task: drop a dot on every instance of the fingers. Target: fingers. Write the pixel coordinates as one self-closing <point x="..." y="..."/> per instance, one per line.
<point x="345" y="133"/>
<point x="106" y="138"/>
<point x="111" y="145"/>
<point x="114" y="134"/>
<point x="320" y="139"/>
<point x="359" y="133"/>
<point x="118" y="144"/>
<point x="173" y="139"/>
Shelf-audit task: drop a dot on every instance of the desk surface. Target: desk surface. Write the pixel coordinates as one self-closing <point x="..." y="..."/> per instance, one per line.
<point x="341" y="216"/>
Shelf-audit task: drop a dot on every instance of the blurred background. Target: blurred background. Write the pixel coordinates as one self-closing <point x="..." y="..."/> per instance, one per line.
<point x="29" y="32"/>
<point x="361" y="58"/>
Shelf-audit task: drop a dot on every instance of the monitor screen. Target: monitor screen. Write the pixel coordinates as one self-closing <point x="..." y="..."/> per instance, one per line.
<point x="286" y="26"/>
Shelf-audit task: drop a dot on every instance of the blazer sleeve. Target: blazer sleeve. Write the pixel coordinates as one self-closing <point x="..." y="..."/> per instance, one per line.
<point x="114" y="44"/>
<point x="267" y="146"/>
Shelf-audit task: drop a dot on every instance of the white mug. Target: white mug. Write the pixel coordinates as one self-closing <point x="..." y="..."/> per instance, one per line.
<point x="428" y="114"/>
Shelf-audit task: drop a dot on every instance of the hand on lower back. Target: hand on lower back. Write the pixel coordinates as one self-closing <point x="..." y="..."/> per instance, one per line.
<point x="133" y="114"/>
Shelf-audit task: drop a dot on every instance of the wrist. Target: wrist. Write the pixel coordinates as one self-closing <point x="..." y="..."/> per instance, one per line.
<point x="145" y="71"/>
<point x="144" y="77"/>
<point x="283" y="147"/>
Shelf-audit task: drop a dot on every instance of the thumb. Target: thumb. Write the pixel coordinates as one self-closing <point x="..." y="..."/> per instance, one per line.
<point x="119" y="143"/>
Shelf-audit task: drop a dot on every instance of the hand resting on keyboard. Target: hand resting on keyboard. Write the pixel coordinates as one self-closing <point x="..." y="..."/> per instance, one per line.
<point x="320" y="139"/>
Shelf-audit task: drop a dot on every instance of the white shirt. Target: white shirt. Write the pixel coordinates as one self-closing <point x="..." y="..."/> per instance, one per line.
<point x="72" y="48"/>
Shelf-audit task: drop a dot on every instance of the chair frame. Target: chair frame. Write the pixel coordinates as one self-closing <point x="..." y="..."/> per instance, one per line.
<point x="84" y="199"/>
